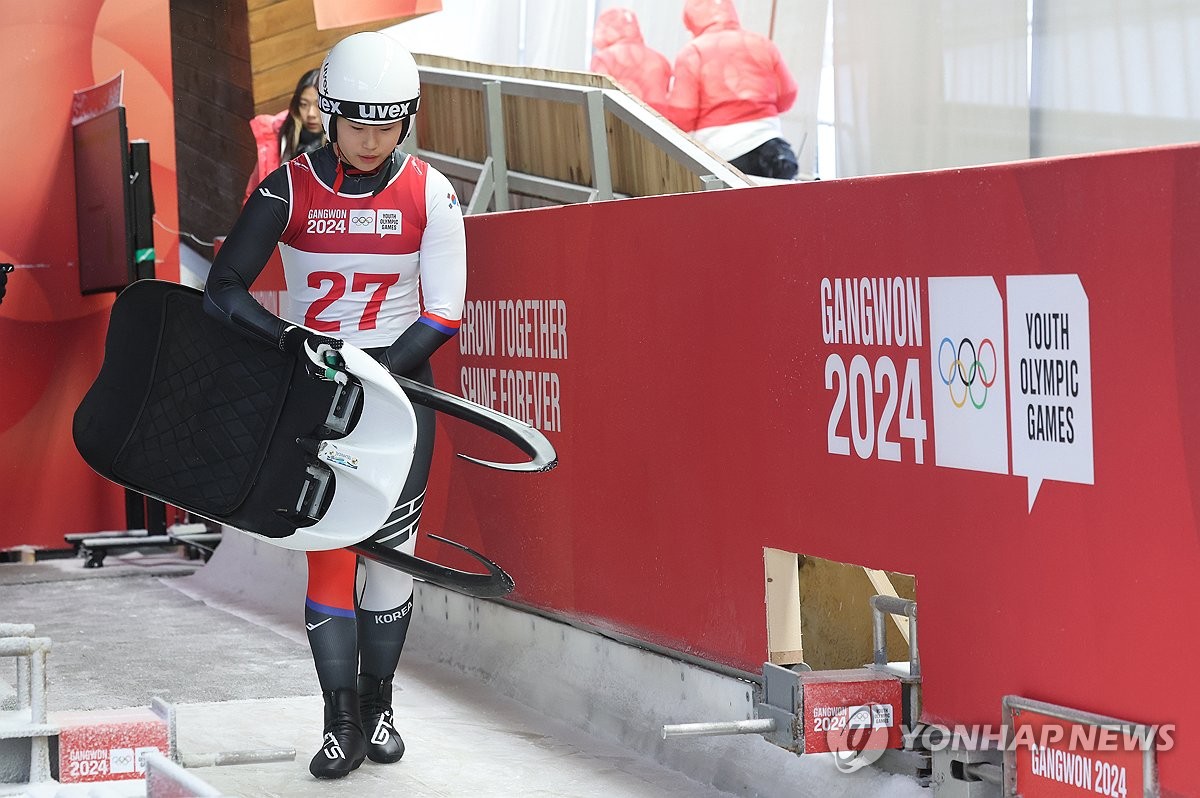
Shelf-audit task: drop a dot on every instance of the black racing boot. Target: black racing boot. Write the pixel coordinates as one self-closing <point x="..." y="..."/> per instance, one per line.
<point x="343" y="748"/>
<point x="375" y="703"/>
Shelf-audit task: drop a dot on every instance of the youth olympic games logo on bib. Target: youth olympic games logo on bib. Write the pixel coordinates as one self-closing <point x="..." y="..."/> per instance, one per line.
<point x="384" y="221"/>
<point x="388" y="223"/>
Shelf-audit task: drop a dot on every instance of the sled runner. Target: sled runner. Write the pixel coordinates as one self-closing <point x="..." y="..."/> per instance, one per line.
<point x="227" y="427"/>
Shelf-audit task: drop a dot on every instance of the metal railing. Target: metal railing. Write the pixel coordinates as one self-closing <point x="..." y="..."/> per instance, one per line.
<point x="28" y="720"/>
<point x="494" y="181"/>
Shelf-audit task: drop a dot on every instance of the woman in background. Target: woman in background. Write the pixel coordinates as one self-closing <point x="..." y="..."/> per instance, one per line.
<point x="281" y="137"/>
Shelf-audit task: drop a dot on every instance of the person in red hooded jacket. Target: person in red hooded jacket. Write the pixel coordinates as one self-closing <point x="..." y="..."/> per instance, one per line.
<point x="621" y="53"/>
<point x="730" y="87"/>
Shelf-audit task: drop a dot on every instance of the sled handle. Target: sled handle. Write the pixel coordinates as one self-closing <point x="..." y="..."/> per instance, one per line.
<point x="494" y="584"/>
<point x="525" y="437"/>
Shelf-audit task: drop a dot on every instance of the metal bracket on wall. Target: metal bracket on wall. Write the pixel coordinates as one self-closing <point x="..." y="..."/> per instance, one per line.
<point x="783" y="702"/>
<point x="491" y="189"/>
<point x="881" y="606"/>
<point x="598" y="132"/>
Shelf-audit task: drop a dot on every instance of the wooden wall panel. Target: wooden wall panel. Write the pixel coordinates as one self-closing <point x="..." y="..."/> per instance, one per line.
<point x="542" y="137"/>
<point x="450" y="121"/>
<point x="213" y="104"/>
<point x="285" y="43"/>
<point x="641" y="169"/>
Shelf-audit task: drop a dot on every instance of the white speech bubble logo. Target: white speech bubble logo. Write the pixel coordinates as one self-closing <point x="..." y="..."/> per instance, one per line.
<point x="388" y="223"/>
<point x="140" y="757"/>
<point x="1050" y="380"/>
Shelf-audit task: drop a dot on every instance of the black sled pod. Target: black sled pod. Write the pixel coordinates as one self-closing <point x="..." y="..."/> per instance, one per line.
<point x="190" y="412"/>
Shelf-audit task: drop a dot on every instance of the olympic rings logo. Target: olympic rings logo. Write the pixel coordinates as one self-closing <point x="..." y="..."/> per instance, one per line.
<point x="971" y="370"/>
<point x="361" y="220"/>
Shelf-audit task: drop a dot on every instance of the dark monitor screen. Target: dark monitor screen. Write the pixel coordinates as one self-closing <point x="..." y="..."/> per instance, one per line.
<point x="103" y="202"/>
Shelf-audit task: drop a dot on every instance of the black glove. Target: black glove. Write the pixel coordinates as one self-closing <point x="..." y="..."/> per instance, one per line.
<point x="293" y="340"/>
<point x="5" y="268"/>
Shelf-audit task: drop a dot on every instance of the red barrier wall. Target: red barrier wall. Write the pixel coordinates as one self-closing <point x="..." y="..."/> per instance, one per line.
<point x="53" y="337"/>
<point x="688" y="374"/>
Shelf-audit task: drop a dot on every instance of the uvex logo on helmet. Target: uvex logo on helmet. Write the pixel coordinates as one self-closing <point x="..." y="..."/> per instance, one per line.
<point x="374" y="111"/>
<point x="367" y="112"/>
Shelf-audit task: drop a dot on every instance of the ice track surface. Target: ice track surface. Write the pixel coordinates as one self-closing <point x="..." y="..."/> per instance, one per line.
<point x="490" y="701"/>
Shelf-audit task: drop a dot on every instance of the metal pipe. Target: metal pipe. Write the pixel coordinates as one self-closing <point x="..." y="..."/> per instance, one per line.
<point x="38" y="683"/>
<point x="985" y="771"/>
<point x="15" y="632"/>
<point x="914" y="656"/>
<point x="757" y="726"/>
<point x="23" y="646"/>
<point x="894" y="605"/>
<point x="247" y="757"/>
<point x="24" y="683"/>
<point x="196" y="542"/>
<point x="152" y="540"/>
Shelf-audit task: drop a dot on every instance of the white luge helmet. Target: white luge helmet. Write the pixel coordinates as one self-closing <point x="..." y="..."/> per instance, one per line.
<point x="368" y="78"/>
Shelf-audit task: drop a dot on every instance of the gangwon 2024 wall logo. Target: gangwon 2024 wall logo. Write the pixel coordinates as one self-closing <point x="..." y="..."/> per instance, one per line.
<point x="1010" y="375"/>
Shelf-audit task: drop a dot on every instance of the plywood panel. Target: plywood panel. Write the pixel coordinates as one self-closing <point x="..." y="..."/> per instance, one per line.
<point x="547" y="139"/>
<point x="836" y="614"/>
<point x="274" y="87"/>
<point x="279" y="18"/>
<point x="784" y="645"/>
<point x="284" y="43"/>
<point x="451" y="122"/>
<point x="641" y="169"/>
<point x="543" y="137"/>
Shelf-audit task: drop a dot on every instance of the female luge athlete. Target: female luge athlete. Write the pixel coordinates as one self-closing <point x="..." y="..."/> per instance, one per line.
<point x="374" y="254"/>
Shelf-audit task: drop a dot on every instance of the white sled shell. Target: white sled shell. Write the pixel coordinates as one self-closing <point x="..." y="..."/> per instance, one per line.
<point x="369" y="465"/>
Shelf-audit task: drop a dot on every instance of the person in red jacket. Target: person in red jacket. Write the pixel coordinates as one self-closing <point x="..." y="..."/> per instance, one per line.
<point x="621" y="53"/>
<point x="293" y="131"/>
<point x="730" y="87"/>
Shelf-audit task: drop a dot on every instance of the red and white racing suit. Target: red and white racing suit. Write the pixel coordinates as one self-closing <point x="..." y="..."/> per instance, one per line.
<point x="380" y="262"/>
